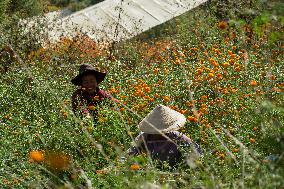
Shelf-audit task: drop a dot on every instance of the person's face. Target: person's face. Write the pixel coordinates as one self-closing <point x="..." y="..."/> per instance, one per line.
<point x="89" y="82"/>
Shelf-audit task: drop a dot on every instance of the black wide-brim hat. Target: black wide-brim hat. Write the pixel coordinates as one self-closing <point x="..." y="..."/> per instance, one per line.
<point x="86" y="69"/>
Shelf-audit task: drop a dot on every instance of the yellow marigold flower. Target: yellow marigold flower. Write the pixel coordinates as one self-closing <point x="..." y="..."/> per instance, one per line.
<point x="36" y="156"/>
<point x="134" y="167"/>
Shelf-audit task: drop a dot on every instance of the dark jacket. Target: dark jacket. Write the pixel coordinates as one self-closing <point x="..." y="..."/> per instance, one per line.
<point x="164" y="149"/>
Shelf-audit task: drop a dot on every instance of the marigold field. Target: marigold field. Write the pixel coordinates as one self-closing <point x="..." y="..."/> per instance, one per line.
<point x="225" y="75"/>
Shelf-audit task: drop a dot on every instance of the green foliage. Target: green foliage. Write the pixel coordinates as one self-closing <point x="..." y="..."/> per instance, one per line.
<point x="225" y="79"/>
<point x="74" y="5"/>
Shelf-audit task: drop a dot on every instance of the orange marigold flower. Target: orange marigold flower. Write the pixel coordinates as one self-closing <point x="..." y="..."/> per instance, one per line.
<point x="58" y="160"/>
<point x="226" y="65"/>
<point x="219" y="76"/>
<point x="147" y="89"/>
<point x="210" y="75"/>
<point x="192" y="119"/>
<point x="199" y="71"/>
<point x="65" y="114"/>
<point x="232" y="61"/>
<point x="213" y="62"/>
<point x="253" y="83"/>
<point x="235" y="150"/>
<point x="218" y="130"/>
<point x="207" y="126"/>
<point x="66" y="102"/>
<point x="156" y="70"/>
<point x="276" y="89"/>
<point x="91" y="107"/>
<point x="139" y="93"/>
<point x="100" y="172"/>
<point x="36" y="156"/>
<point x="183" y="111"/>
<point x="204" y="97"/>
<point x="221" y="155"/>
<point x="96" y="97"/>
<point x="134" y="167"/>
<point x="156" y="95"/>
<point x="252" y="140"/>
<point x="237" y="69"/>
<point x="7" y="117"/>
<point x="222" y="25"/>
<point x="273" y="77"/>
<point x="166" y="98"/>
<point x="255" y="128"/>
<point x="166" y="70"/>
<point x="113" y="90"/>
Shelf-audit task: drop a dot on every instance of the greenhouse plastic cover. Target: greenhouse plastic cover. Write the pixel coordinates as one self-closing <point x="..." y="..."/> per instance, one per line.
<point x="115" y="20"/>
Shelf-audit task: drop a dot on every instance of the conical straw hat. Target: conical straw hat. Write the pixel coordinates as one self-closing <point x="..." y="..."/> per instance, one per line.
<point x="162" y="119"/>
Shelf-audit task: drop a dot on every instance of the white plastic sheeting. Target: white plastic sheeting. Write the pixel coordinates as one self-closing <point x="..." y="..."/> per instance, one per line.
<point x="115" y="20"/>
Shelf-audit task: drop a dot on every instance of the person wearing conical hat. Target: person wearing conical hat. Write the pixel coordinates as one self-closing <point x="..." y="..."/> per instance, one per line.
<point x="160" y="138"/>
<point x="88" y="96"/>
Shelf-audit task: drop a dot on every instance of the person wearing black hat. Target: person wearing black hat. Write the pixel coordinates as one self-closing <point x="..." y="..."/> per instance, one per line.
<point x="89" y="95"/>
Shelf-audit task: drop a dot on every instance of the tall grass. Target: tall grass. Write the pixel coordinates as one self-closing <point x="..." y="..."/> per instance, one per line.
<point x="225" y="77"/>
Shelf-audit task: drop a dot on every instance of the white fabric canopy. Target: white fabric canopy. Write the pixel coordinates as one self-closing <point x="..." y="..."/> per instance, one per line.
<point x="115" y="20"/>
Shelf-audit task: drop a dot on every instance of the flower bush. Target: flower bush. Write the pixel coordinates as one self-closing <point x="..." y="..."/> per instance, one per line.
<point x="226" y="77"/>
